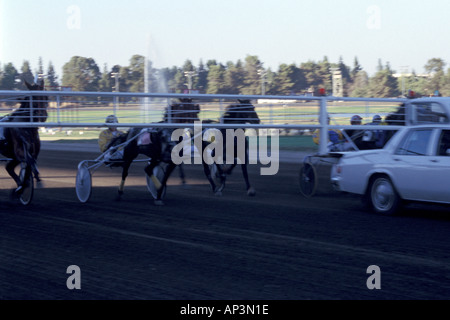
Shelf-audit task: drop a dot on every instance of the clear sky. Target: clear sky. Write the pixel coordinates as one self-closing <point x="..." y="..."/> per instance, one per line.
<point x="401" y="32"/>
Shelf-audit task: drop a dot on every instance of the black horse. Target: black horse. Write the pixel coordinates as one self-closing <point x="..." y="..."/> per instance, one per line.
<point x="241" y="113"/>
<point x="22" y="145"/>
<point x="156" y="144"/>
<point x="398" y="117"/>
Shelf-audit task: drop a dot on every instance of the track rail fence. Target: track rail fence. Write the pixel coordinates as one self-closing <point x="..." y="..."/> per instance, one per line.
<point x="288" y="114"/>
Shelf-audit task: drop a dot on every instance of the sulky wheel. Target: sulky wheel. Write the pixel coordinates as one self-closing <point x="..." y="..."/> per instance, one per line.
<point x="308" y="180"/>
<point x="158" y="172"/>
<point x="83" y="183"/>
<point x="27" y="193"/>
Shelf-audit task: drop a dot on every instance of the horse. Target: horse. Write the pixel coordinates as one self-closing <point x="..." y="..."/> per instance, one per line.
<point x="22" y="145"/>
<point x="184" y="112"/>
<point x="241" y="113"/>
<point x="156" y="144"/>
<point x="396" y="118"/>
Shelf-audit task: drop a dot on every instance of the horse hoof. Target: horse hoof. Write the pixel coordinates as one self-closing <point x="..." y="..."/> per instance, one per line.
<point x="39" y="185"/>
<point x="184" y="185"/>
<point x="13" y="196"/>
<point x="18" y="191"/>
<point x="158" y="203"/>
<point x="251" y="192"/>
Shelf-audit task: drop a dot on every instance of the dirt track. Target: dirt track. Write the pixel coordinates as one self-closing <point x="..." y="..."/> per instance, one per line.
<point x="277" y="245"/>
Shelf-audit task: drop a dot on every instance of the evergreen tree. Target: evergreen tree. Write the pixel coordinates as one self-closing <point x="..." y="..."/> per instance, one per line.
<point x="289" y="80"/>
<point x="216" y="79"/>
<point x="413" y="82"/>
<point x="252" y="78"/>
<point x="380" y="66"/>
<point x="324" y="74"/>
<point x="135" y="78"/>
<point x="345" y="72"/>
<point x="40" y="69"/>
<point x="383" y="85"/>
<point x="26" y="74"/>
<point x="104" y="84"/>
<point x="168" y="76"/>
<point x="360" y="85"/>
<point x="9" y="76"/>
<point x="356" y="68"/>
<point x="233" y="78"/>
<point x="201" y="82"/>
<point x="310" y="72"/>
<point x="179" y="81"/>
<point x="52" y="79"/>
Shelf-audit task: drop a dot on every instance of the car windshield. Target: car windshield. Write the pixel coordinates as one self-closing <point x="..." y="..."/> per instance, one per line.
<point x="415" y="143"/>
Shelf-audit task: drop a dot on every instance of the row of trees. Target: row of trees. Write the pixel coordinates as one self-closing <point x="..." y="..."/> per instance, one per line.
<point x="242" y="77"/>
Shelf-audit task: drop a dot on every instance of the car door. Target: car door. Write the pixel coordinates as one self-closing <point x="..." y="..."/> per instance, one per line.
<point x="414" y="169"/>
<point x="439" y="171"/>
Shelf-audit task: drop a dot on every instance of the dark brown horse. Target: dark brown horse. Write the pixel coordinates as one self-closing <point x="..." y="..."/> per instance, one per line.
<point x="241" y="113"/>
<point x="160" y="145"/>
<point x="22" y="145"/>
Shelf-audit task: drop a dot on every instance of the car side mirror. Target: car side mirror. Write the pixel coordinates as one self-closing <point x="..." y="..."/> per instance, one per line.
<point x="447" y="152"/>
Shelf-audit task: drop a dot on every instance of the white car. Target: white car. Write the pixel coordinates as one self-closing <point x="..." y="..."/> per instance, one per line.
<point x="413" y="166"/>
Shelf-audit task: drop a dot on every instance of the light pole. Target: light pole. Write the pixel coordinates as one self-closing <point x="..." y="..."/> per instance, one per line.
<point x="190" y="75"/>
<point x="336" y="78"/>
<point x="116" y="76"/>
<point x="403" y="69"/>
<point x="262" y="73"/>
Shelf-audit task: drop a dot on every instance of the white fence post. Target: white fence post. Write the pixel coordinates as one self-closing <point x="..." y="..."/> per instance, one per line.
<point x="323" y="119"/>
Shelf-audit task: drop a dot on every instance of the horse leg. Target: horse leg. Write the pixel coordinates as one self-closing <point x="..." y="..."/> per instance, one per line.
<point x="250" y="190"/>
<point x="10" y="168"/>
<point x="207" y="172"/>
<point x="23" y="178"/>
<point x="169" y="169"/>
<point x="149" y="171"/>
<point x="182" y="176"/>
<point x="125" y="168"/>
<point x="230" y="169"/>
<point x="31" y="161"/>
<point x="223" y="177"/>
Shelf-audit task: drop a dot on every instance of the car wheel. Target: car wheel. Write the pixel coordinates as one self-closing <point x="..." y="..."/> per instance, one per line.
<point x="383" y="196"/>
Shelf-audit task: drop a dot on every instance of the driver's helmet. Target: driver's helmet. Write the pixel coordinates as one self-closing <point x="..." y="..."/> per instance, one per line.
<point x="355" y="120"/>
<point x="111" y="119"/>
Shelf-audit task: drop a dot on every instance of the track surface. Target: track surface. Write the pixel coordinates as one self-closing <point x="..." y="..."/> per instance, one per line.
<point x="277" y="245"/>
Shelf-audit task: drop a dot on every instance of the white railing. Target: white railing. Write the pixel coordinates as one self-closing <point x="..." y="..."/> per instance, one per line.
<point x="288" y="113"/>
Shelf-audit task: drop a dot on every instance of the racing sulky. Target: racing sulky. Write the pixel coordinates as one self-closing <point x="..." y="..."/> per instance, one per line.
<point x="156" y="144"/>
